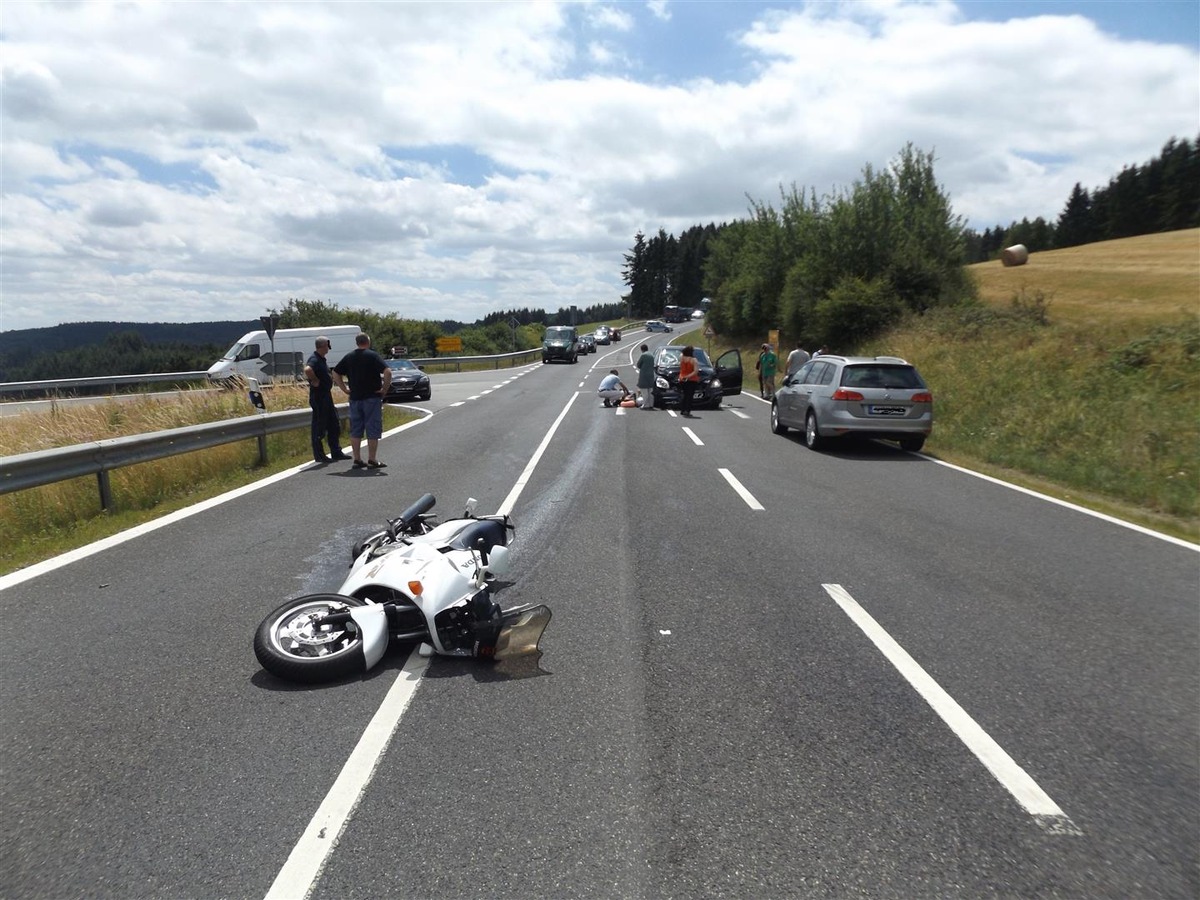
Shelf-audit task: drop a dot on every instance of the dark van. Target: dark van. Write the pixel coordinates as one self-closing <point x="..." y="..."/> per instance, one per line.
<point x="560" y="342"/>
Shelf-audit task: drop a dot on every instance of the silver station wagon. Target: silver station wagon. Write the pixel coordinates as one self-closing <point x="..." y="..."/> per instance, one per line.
<point x="864" y="396"/>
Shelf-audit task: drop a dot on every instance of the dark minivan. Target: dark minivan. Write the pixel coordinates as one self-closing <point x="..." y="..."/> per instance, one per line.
<point x="560" y="342"/>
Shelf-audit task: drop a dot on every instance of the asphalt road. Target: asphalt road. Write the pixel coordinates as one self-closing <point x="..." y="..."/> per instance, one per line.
<point x="770" y="673"/>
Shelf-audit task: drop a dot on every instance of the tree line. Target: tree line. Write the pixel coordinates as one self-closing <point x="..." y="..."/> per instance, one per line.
<point x="1162" y="194"/>
<point x="831" y="271"/>
<point x="837" y="269"/>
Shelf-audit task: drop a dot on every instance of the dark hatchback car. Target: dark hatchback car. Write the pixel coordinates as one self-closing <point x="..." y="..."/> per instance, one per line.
<point x="724" y="379"/>
<point x="408" y="381"/>
<point x="855" y="396"/>
<point x="587" y="343"/>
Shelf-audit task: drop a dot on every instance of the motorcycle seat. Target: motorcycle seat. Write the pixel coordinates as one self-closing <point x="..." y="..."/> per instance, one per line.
<point x="491" y="531"/>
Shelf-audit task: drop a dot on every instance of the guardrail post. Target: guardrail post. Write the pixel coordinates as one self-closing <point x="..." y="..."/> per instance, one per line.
<point x="262" y="449"/>
<point x="106" y="500"/>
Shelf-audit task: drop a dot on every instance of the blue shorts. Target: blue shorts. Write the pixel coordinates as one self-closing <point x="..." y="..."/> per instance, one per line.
<point x="366" y="416"/>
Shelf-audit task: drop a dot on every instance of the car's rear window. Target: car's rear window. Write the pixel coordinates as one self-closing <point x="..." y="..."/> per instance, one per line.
<point x="881" y="376"/>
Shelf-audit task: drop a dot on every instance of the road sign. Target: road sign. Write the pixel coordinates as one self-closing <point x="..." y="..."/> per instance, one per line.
<point x="708" y="332"/>
<point x="449" y="345"/>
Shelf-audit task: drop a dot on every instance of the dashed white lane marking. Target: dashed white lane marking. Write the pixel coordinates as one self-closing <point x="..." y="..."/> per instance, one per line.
<point x="742" y="492"/>
<point x="736" y="412"/>
<point x="1015" y="779"/>
<point x="695" y="439"/>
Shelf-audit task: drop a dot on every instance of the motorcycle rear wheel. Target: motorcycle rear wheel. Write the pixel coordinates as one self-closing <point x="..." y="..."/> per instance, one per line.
<point x="289" y="646"/>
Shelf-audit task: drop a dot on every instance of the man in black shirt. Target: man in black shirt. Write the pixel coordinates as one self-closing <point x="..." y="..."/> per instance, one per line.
<point x="369" y="378"/>
<point x="325" y="423"/>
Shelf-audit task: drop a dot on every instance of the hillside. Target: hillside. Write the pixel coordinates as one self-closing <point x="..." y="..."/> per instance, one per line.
<point x="1139" y="280"/>
<point x="73" y="335"/>
<point x="1089" y="395"/>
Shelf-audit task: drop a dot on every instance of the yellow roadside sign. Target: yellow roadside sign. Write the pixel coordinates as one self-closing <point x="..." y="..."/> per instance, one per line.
<point x="449" y="344"/>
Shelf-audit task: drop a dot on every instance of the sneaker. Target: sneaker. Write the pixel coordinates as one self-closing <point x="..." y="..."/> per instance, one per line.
<point x="340" y="457"/>
<point x="322" y="459"/>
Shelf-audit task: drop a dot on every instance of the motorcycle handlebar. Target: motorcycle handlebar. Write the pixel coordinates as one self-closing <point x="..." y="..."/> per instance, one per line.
<point x="424" y="505"/>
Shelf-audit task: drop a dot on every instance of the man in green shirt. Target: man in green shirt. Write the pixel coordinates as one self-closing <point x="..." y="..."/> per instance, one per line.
<point x="769" y="365"/>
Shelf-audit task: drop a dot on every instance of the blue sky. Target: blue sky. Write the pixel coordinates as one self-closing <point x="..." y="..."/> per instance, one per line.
<point x="198" y="161"/>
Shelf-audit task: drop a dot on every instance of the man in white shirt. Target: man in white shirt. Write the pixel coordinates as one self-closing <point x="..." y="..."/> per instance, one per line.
<point x="612" y="389"/>
<point x="796" y="359"/>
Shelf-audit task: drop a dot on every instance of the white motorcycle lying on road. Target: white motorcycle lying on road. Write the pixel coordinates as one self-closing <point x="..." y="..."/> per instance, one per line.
<point x="415" y="580"/>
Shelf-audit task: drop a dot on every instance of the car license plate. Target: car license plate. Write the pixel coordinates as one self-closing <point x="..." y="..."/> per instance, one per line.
<point x="886" y="410"/>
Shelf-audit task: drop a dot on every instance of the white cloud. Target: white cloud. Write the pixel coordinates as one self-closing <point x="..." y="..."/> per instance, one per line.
<point x="204" y="161"/>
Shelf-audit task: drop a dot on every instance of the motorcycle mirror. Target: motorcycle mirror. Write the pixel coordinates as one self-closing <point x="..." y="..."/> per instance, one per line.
<point x="470" y="510"/>
<point x="497" y="562"/>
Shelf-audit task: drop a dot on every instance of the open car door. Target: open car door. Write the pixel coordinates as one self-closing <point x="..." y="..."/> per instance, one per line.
<point x="729" y="370"/>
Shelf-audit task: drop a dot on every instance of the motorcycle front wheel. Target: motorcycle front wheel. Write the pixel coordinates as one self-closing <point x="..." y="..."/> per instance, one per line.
<point x="290" y="644"/>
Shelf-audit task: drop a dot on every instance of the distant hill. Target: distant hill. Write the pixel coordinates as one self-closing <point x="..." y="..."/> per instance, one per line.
<point x="73" y="335"/>
<point x="82" y="349"/>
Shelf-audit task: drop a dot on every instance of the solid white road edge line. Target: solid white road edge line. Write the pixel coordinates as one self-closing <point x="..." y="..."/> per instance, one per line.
<point x="1068" y="505"/>
<point x="303" y="867"/>
<point x="742" y="492"/>
<point x="1015" y="779"/>
<point x="63" y="559"/>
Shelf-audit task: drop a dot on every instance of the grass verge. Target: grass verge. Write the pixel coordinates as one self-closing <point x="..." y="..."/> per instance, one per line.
<point x="43" y="522"/>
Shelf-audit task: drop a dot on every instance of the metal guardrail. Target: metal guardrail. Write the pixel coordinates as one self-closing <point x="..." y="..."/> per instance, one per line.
<point x="29" y="470"/>
<point x="69" y="384"/>
<point x="513" y="359"/>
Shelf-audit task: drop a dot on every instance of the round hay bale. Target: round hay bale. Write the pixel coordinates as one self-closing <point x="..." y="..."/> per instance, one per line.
<point x="1016" y="255"/>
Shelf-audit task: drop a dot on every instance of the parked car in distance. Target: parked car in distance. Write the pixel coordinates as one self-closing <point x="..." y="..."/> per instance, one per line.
<point x="724" y="379"/>
<point x="603" y="335"/>
<point x="865" y="396"/>
<point x="408" y="381"/>
<point x="587" y="343"/>
<point x="657" y="325"/>
<point x="560" y="342"/>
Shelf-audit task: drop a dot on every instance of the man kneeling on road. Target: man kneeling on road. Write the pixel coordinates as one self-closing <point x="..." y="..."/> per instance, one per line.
<point x="612" y="389"/>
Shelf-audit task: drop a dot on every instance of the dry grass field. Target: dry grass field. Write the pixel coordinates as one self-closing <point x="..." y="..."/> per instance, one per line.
<point x="44" y="521"/>
<point x="1140" y="281"/>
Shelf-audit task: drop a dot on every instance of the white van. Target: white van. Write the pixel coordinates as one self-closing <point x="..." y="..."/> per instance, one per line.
<point x="251" y="356"/>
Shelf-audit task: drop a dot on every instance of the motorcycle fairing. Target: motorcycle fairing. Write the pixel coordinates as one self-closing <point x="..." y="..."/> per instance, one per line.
<point x="373" y="626"/>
